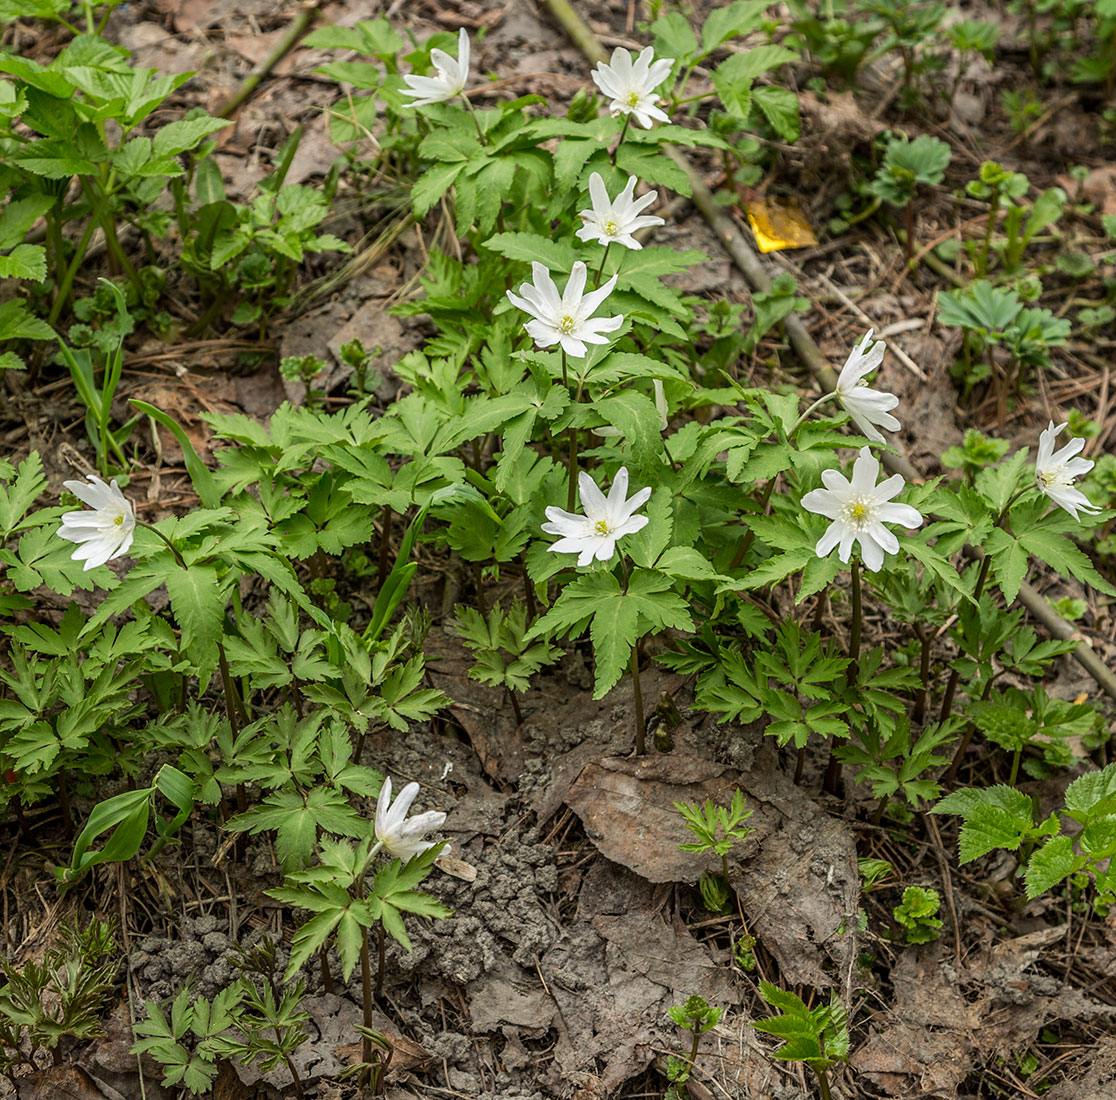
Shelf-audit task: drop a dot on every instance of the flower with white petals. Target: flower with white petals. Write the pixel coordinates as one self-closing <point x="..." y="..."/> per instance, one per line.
<point x="866" y="406"/>
<point x="567" y="318"/>
<point x="606" y="519"/>
<point x="614" y="222"/>
<point x="399" y="836"/>
<point x="1055" y="472"/>
<point x="631" y="85"/>
<point x="661" y="407"/>
<point x="859" y="509"/>
<point x="452" y="72"/>
<point x="104" y="533"/>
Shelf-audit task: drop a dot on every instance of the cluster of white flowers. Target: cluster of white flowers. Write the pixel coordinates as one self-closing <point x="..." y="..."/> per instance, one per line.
<point x="860" y="508"/>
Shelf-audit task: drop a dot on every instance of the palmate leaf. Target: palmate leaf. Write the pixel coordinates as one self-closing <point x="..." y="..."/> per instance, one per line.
<point x="296" y="819"/>
<point x="618" y="619"/>
<point x="394" y="893"/>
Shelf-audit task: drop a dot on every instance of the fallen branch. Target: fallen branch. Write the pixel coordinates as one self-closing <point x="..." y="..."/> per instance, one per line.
<point x="290" y="39"/>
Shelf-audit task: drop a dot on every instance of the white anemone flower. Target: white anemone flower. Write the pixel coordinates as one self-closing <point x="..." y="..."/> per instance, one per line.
<point x="859" y="509"/>
<point x="452" y="72"/>
<point x="401" y="837"/>
<point x="608" y="431"/>
<point x="1055" y="472"/>
<point x="567" y="318"/>
<point x="866" y="406"/>
<point x="104" y="533"/>
<point x="606" y="519"/>
<point x="631" y="85"/>
<point x="614" y="222"/>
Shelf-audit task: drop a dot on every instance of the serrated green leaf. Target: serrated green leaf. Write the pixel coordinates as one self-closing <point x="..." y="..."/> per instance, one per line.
<point x="1052" y="863"/>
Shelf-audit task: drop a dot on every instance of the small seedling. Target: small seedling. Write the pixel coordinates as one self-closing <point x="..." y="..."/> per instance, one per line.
<point x="697" y="1017"/>
<point x="819" y="1036"/>
<point x="64" y="996"/>
<point x="916" y="914"/>
<point x="304" y="369"/>
<point x="704" y="822"/>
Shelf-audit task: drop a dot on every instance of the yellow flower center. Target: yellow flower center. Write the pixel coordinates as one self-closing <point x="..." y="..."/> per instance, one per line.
<point x="601" y="527"/>
<point x="859" y="512"/>
<point x="118" y="520"/>
<point x="566" y="324"/>
<point x="633" y="99"/>
<point x="610" y="228"/>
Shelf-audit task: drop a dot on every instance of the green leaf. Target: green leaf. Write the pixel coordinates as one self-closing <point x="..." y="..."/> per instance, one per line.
<point x="996" y="817"/>
<point x="198" y="601"/>
<point x="25" y="261"/>
<point x="1061" y="552"/>
<point x="432" y="184"/>
<point x="1009" y="562"/>
<point x="187" y="133"/>
<point x="780" y="107"/>
<point x="530" y="247"/>
<point x="1052" y="863"/>
<point x="739" y="18"/>
<point x="17" y="323"/>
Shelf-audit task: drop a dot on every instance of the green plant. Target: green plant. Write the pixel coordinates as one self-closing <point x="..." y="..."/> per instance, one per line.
<point x="697" y="1017"/>
<point x="62" y="997"/>
<point x="907" y="164"/>
<point x="976" y="452"/>
<point x="1001" y="188"/>
<point x="1001" y="817"/>
<point x="916" y="914"/>
<point x="304" y="369"/>
<point x="911" y="27"/>
<point x="705" y="822"/>
<point x="498" y="634"/>
<point x="819" y="1036"/>
<point x="98" y="400"/>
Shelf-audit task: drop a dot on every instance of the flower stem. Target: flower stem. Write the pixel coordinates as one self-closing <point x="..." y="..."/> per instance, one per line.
<point x="473" y="116"/>
<point x="571" y="491"/>
<point x="817" y="404"/>
<point x="955" y="675"/>
<point x="853" y="673"/>
<point x="640" y="733"/>
<point x="922" y="697"/>
<point x="366" y="997"/>
<point x="623" y="134"/>
<point x="597" y="277"/>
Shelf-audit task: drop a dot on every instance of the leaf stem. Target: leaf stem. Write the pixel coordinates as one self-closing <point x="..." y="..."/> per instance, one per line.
<point x="823" y="1083"/>
<point x="637" y="690"/>
<point x="750" y="534"/>
<point x="173" y="549"/>
<point x="366" y="996"/>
